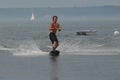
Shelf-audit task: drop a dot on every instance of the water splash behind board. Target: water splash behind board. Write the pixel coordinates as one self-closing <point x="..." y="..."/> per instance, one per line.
<point x="28" y="48"/>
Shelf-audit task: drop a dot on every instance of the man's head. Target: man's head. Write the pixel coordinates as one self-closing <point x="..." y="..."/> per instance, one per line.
<point x="54" y="18"/>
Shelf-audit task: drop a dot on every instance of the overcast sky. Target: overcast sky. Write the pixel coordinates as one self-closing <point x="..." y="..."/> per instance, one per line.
<point x="56" y="3"/>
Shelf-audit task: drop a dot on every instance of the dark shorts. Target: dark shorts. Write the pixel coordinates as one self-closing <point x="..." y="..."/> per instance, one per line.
<point x="53" y="37"/>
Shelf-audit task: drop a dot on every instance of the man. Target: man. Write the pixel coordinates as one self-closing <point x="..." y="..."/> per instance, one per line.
<point x="54" y="26"/>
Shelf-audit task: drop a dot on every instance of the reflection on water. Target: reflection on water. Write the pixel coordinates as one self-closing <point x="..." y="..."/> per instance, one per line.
<point x="54" y="68"/>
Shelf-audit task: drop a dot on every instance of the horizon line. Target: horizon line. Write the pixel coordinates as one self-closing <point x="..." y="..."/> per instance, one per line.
<point x="68" y="6"/>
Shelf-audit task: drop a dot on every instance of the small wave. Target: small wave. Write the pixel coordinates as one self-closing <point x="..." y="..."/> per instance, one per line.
<point x="100" y="45"/>
<point x="5" y="48"/>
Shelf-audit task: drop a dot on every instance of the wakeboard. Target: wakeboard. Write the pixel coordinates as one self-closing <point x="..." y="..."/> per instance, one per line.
<point x="54" y="53"/>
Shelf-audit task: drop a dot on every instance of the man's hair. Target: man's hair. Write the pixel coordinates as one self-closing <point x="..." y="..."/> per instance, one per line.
<point x="54" y="17"/>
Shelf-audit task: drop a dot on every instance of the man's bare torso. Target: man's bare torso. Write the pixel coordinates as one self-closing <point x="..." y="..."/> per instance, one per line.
<point x="54" y="27"/>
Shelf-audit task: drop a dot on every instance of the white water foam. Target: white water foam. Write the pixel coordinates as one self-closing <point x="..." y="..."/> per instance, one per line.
<point x="28" y="48"/>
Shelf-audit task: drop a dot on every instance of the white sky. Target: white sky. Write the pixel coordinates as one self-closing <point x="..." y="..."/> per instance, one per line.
<point x="56" y="3"/>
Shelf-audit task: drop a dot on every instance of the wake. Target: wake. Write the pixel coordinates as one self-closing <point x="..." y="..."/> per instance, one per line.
<point x="28" y="48"/>
<point x="89" y="49"/>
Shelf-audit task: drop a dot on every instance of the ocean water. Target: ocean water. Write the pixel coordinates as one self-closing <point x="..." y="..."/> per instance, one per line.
<point x="25" y="45"/>
<point x="27" y="38"/>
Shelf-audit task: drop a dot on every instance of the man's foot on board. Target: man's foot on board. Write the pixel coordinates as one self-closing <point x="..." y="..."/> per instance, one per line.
<point x="54" y="53"/>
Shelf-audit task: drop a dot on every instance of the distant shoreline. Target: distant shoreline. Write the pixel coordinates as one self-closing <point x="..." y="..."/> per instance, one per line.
<point x="107" y="6"/>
